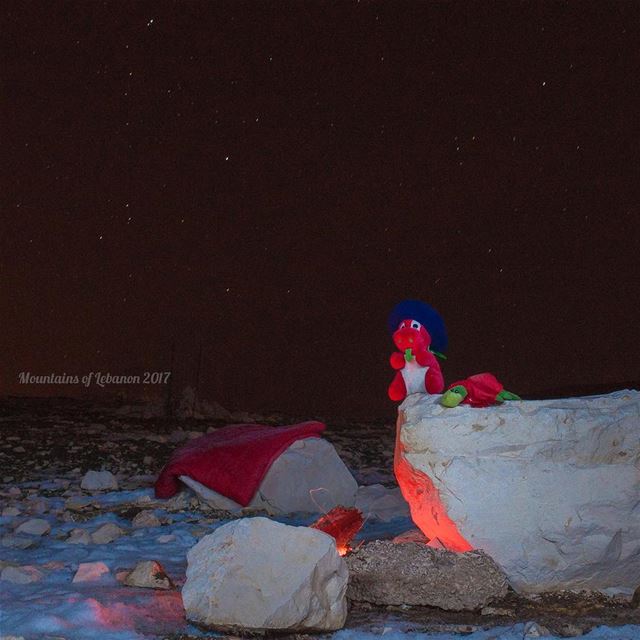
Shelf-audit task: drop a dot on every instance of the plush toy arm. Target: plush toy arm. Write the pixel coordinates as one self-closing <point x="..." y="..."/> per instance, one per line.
<point x="434" y="382"/>
<point x="397" y="360"/>
<point x="426" y="359"/>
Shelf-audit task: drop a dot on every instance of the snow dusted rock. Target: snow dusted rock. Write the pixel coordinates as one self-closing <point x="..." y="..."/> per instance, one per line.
<point x="145" y="518"/>
<point x="257" y="574"/>
<point x="149" y="574"/>
<point x="387" y="573"/>
<point x="309" y="477"/>
<point x="34" y="527"/>
<point x="92" y="572"/>
<point x="99" y="481"/>
<point x="549" y="489"/>
<point x="107" y="533"/>
<point x="78" y="536"/>
<point x="376" y="502"/>
<point x="21" y="575"/>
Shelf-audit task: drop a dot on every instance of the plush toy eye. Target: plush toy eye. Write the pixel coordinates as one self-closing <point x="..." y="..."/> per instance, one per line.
<point x="415" y="325"/>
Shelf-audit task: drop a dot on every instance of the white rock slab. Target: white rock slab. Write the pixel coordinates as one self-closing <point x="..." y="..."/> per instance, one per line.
<point x="99" y="481"/>
<point x="308" y="477"/>
<point x="258" y="574"/>
<point x="550" y="489"/>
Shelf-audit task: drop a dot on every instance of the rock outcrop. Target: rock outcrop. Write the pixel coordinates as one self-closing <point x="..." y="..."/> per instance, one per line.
<point x="256" y="574"/>
<point x="550" y="489"/>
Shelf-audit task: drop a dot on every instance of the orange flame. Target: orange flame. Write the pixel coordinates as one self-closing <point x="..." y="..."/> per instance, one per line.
<point x="342" y="524"/>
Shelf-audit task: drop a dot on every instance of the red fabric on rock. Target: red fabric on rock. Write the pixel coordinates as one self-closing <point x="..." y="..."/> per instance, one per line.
<point x="232" y="460"/>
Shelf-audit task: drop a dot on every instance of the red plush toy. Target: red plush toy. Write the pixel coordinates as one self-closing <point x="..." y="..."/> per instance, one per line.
<point x="418" y="370"/>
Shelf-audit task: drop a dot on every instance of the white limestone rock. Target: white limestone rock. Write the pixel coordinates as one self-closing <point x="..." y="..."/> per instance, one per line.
<point x="257" y="574"/>
<point x="308" y="477"/>
<point x="550" y="489"/>
<point x="99" y="481"/>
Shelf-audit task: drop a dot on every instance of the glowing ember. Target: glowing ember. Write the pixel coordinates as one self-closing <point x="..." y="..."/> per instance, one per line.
<point x="342" y="524"/>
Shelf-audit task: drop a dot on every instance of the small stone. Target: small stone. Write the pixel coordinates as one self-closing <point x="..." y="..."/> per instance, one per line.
<point x="34" y="527"/>
<point x="38" y="506"/>
<point x="145" y="518"/>
<point x="413" y="535"/>
<point x="10" y="511"/>
<point x="147" y="460"/>
<point x="19" y="449"/>
<point x="79" y="536"/>
<point x="167" y="537"/>
<point x="99" y="481"/>
<point x="92" y="572"/>
<point x="77" y="503"/>
<point x="18" y="542"/>
<point x="107" y="533"/>
<point x="149" y="574"/>
<point x="21" y="575"/>
<point x="534" y="630"/>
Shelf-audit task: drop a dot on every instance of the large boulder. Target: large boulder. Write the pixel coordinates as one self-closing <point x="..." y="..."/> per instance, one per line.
<point x="308" y="477"/>
<point x="550" y="489"/>
<point x="255" y="574"/>
<point x="394" y="573"/>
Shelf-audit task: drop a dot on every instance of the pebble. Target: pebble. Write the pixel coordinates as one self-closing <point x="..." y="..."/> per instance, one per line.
<point x="107" y="533"/>
<point x="78" y="503"/>
<point x="18" y="542"/>
<point x="21" y="575"/>
<point x="99" y="481"/>
<point x="145" y="518"/>
<point x="11" y="511"/>
<point x="534" y="630"/>
<point x="167" y="537"/>
<point x="149" y="574"/>
<point x="92" y="572"/>
<point x="34" y="527"/>
<point x="79" y="536"/>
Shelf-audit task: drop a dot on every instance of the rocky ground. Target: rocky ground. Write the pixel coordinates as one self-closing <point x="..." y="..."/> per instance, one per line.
<point x="46" y="447"/>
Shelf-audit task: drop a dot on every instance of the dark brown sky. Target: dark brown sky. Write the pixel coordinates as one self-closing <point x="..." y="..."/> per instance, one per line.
<point x="268" y="179"/>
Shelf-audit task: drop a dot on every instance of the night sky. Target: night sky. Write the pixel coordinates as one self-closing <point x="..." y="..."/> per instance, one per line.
<point x="267" y="179"/>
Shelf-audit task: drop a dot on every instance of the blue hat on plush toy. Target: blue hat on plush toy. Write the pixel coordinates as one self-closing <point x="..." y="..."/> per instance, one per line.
<point x="425" y="315"/>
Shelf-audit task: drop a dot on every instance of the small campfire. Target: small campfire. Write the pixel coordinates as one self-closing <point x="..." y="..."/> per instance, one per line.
<point x="342" y="524"/>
